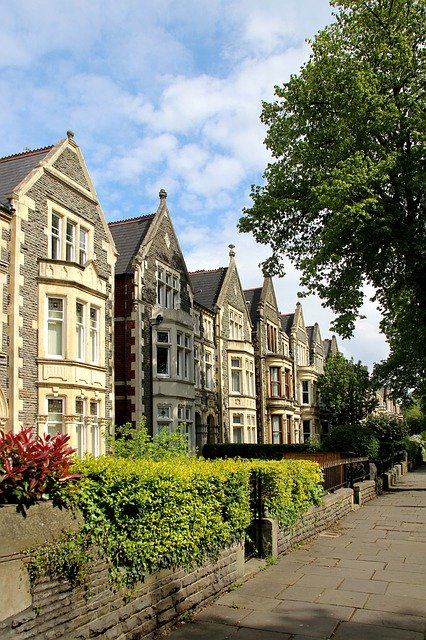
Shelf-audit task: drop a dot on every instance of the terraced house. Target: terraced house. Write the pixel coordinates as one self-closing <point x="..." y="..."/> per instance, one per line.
<point x="154" y="325"/>
<point x="56" y="287"/>
<point x="220" y="292"/>
<point x="278" y="414"/>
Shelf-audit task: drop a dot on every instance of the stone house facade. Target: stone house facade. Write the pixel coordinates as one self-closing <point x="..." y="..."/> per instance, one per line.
<point x="220" y="292"/>
<point x="154" y="325"/>
<point x="307" y="352"/>
<point x="278" y="413"/>
<point x="60" y="287"/>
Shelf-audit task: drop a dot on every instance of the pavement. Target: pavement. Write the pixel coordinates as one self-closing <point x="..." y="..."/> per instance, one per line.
<point x="362" y="579"/>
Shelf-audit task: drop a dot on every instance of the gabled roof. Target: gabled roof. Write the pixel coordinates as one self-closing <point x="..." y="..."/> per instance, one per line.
<point x="206" y="286"/>
<point x="310" y="334"/>
<point x="13" y="169"/>
<point x="128" y="236"/>
<point x="287" y="320"/>
<point x="252" y="297"/>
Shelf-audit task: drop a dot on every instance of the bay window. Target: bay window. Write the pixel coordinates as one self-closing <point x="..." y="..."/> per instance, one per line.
<point x="236" y="375"/>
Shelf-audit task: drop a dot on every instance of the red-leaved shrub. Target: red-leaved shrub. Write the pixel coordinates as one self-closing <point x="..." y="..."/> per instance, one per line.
<point x="34" y="468"/>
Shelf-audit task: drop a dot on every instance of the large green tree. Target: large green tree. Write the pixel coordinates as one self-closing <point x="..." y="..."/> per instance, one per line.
<point x="344" y="197"/>
<point x="346" y="391"/>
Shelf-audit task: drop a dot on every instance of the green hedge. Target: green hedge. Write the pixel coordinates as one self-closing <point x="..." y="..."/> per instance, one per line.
<point x="144" y="516"/>
<point x="251" y="451"/>
<point x="289" y="488"/>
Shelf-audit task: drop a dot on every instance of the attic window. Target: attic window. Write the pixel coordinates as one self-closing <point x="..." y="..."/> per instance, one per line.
<point x="69" y="239"/>
<point x="168" y="288"/>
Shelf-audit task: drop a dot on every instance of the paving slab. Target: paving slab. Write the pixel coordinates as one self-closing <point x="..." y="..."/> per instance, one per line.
<point x="363" y="579"/>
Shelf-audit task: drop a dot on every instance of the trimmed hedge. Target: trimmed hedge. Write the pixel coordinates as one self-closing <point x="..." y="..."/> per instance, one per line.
<point x="251" y="451"/>
<point x="144" y="516"/>
<point x="289" y="488"/>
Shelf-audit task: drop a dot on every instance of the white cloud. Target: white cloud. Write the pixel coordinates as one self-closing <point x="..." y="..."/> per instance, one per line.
<point x="165" y="95"/>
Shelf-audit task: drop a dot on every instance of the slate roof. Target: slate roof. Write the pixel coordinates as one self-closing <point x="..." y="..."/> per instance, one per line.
<point x="287" y="320"/>
<point x="310" y="333"/>
<point x="252" y="297"/>
<point x="128" y="236"/>
<point x="13" y="169"/>
<point x="206" y="286"/>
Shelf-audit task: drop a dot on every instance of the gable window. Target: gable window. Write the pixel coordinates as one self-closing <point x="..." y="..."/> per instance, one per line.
<point x="275" y="379"/>
<point x="208" y="328"/>
<point x="167" y="288"/>
<point x="55" y="237"/>
<point x="271" y="338"/>
<point x="55" y="327"/>
<point x="163" y="353"/>
<point x="83" y="245"/>
<point x="235" y="325"/>
<point x="69" y="240"/>
<point x="55" y="415"/>
<point x="236" y="375"/>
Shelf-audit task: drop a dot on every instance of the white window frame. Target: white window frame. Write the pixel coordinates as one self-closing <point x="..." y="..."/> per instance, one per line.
<point x="168" y="287"/>
<point x="236" y="376"/>
<point x="65" y="246"/>
<point x="94" y="327"/>
<point x="80" y="427"/>
<point x="163" y="345"/>
<point x="305" y="390"/>
<point x="250" y="386"/>
<point x="236" y="325"/>
<point x="96" y="432"/>
<point x="80" y="330"/>
<point x="51" y="429"/>
<point x="59" y="322"/>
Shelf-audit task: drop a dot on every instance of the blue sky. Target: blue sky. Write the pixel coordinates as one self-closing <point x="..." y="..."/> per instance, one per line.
<point x="166" y="94"/>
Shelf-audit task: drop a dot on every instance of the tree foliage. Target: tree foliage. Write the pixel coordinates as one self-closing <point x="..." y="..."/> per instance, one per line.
<point x="344" y="196"/>
<point x="415" y="416"/>
<point x="346" y="392"/>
